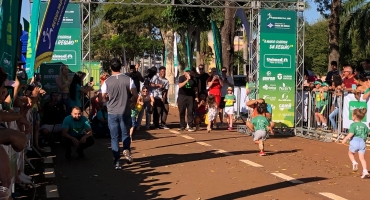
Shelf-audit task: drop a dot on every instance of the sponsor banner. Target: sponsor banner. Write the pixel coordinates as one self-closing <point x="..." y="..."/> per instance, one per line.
<point x="349" y="104"/>
<point x="49" y="29"/>
<point x="217" y="46"/>
<point x="68" y="43"/>
<point x="278" y="64"/>
<point x="10" y="30"/>
<point x="32" y="38"/>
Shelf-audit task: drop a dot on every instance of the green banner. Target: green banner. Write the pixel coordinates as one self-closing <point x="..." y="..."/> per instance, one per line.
<point x="68" y="45"/>
<point x="9" y="35"/>
<point x="217" y="46"/>
<point x="277" y="64"/>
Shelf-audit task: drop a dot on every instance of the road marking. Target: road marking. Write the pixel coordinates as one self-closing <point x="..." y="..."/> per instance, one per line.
<point x="175" y="132"/>
<point x="48" y="160"/>
<point x="285" y="177"/>
<point x="204" y="144"/>
<point x="49" y="173"/>
<point x="253" y="164"/>
<point x="332" y="196"/>
<point x="52" y="191"/>
<point x="223" y="152"/>
<point x="47" y="149"/>
<point x="187" y="137"/>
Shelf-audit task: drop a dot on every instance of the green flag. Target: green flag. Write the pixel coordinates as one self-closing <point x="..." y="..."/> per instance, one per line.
<point x="9" y="35"/>
<point x="188" y="48"/>
<point x="217" y="46"/>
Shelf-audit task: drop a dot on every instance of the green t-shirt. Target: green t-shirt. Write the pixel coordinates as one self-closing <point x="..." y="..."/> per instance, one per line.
<point x="76" y="128"/>
<point x="367" y="90"/>
<point x="229" y="100"/>
<point x="321" y="102"/>
<point x="134" y="112"/>
<point x="260" y="123"/>
<point x="359" y="130"/>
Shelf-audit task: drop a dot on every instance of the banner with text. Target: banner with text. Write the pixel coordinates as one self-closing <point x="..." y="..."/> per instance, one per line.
<point x="9" y="35"/>
<point x="349" y="104"/>
<point x="68" y="44"/>
<point x="277" y="62"/>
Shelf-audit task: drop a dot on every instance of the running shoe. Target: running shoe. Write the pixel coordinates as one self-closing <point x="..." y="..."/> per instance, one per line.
<point x="118" y="165"/>
<point x="355" y="167"/>
<point x="163" y="127"/>
<point x="230" y="128"/>
<point x="365" y="174"/>
<point x="191" y="129"/>
<point x="262" y="153"/>
<point x="128" y="156"/>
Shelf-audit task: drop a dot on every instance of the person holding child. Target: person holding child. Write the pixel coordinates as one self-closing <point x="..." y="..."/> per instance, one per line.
<point x="358" y="133"/>
<point x="229" y="100"/>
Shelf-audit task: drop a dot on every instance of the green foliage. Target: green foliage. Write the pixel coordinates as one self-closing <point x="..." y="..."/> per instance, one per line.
<point x="317" y="47"/>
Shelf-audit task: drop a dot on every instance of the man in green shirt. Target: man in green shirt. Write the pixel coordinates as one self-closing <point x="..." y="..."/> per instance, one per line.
<point x="76" y="131"/>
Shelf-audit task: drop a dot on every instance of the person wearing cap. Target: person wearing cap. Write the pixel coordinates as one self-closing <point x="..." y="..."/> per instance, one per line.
<point x="187" y="93"/>
<point x="215" y="84"/>
<point x="321" y="104"/>
<point x="229" y="101"/>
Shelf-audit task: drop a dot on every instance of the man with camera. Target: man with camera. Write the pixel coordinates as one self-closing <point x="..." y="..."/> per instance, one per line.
<point x="135" y="76"/>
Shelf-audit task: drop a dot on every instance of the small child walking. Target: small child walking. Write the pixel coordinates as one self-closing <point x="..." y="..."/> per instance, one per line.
<point x="260" y="125"/>
<point x="136" y="107"/>
<point x="200" y="110"/>
<point x="358" y="133"/>
<point x="212" y="111"/>
<point x="229" y="107"/>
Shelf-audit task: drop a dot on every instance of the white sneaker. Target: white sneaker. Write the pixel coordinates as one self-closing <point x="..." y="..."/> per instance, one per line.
<point x="355" y="167"/>
<point x="365" y="174"/>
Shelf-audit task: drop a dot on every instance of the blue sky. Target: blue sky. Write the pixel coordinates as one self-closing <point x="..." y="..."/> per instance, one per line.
<point x="311" y="15"/>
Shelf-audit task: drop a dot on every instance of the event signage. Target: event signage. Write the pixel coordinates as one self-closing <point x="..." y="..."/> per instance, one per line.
<point x="9" y="35"/>
<point x="277" y="63"/>
<point x="349" y="104"/>
<point x="52" y="20"/>
<point x="68" y="42"/>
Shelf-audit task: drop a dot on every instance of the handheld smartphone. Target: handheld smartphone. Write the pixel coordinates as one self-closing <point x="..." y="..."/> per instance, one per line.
<point x="91" y="79"/>
<point x="353" y="86"/>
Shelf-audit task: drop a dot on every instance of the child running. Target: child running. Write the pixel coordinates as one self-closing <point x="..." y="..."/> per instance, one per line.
<point x="260" y="125"/>
<point x="229" y="107"/>
<point x="136" y="107"/>
<point x="358" y="133"/>
<point x="212" y="111"/>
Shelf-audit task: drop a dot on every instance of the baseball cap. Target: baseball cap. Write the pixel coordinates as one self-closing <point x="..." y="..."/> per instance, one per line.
<point x="324" y="84"/>
<point x="317" y="82"/>
<point x="188" y="69"/>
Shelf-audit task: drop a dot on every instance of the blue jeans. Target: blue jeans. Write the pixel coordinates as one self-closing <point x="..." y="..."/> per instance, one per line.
<point x="147" y="115"/>
<point x="119" y="124"/>
<point x="332" y="118"/>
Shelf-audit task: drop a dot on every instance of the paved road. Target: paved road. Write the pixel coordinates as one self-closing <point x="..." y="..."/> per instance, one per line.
<point x="220" y="165"/>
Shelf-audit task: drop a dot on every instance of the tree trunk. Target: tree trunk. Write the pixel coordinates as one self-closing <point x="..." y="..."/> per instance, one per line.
<point x="245" y="53"/>
<point x="198" y="56"/>
<point x="227" y="39"/>
<point x="333" y="30"/>
<point x="168" y="38"/>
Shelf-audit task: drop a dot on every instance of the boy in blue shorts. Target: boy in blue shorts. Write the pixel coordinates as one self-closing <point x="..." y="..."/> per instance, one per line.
<point x="358" y="133"/>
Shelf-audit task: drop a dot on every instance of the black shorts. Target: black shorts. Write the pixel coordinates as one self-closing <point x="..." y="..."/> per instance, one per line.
<point x="222" y="103"/>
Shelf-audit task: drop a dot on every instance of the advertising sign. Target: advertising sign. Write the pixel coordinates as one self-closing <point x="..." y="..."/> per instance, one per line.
<point x="278" y="33"/>
<point x="68" y="43"/>
<point x="349" y="104"/>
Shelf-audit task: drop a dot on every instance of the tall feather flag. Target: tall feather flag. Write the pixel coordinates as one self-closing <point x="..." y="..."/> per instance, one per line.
<point x="32" y="38"/>
<point x="49" y="30"/>
<point x="175" y="61"/>
<point x="188" y="48"/>
<point x="217" y="46"/>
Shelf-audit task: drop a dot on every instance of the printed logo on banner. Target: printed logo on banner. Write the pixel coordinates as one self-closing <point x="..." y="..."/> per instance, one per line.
<point x="286" y="106"/>
<point x="269" y="78"/>
<point x="268" y="97"/>
<point x="267" y="87"/>
<point x="51" y="71"/>
<point x="279" y="76"/>
<point x="285" y="88"/>
<point x="284" y="97"/>
<point x="356" y="105"/>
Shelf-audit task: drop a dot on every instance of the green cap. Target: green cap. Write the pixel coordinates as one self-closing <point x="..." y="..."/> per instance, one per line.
<point x="324" y="84"/>
<point x="187" y="69"/>
<point x="317" y="82"/>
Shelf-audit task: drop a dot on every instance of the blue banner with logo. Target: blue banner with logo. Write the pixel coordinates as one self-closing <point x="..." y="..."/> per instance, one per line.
<point x="51" y="23"/>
